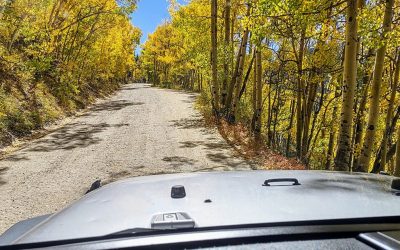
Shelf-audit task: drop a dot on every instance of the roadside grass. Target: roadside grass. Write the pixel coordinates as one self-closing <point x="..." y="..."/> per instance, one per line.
<point x="19" y="123"/>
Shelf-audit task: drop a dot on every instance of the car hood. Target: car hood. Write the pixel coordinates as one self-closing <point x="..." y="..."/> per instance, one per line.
<point x="236" y="198"/>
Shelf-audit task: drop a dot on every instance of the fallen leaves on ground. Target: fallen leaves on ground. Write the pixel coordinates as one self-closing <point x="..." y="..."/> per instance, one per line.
<point x="240" y="137"/>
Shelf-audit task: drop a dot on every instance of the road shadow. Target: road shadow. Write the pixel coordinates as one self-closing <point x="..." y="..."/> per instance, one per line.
<point x="75" y="135"/>
<point x="188" y="123"/>
<point x="130" y="88"/>
<point x="217" y="152"/>
<point x="16" y="157"/>
<point x="217" y="157"/>
<point x="125" y="173"/>
<point x="227" y="160"/>
<point x="113" y="105"/>
<point x="110" y="106"/>
<point x="215" y="146"/>
<point x="2" y="172"/>
<point x="71" y="136"/>
<point x="179" y="161"/>
<point x="214" y="168"/>
<point x="194" y="122"/>
<point x="190" y="144"/>
<point x="191" y="98"/>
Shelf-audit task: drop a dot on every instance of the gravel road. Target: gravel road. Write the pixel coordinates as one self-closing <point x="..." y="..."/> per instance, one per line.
<point x="139" y="131"/>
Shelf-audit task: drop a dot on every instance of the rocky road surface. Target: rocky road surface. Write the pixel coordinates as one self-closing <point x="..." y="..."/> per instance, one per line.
<point x="139" y="131"/>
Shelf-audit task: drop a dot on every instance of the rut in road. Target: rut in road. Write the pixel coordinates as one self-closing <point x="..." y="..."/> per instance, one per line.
<point x="139" y="131"/>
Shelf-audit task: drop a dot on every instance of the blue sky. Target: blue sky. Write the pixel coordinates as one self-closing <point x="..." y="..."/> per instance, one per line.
<point x="149" y="14"/>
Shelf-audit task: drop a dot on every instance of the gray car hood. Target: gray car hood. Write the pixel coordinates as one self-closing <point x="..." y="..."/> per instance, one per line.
<point x="236" y="198"/>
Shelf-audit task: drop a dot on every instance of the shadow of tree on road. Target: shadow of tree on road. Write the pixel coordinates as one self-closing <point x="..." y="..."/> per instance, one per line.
<point x="214" y="168"/>
<point x="130" y="88"/>
<point x="191" y="98"/>
<point x="217" y="152"/>
<point x="194" y="122"/>
<point x="217" y="157"/>
<point x="215" y="146"/>
<point x="110" y="106"/>
<point x="227" y="161"/>
<point x="179" y="161"/>
<point x="2" y="172"/>
<point x="125" y="173"/>
<point x="16" y="157"/>
<point x="188" y="123"/>
<point x="73" y="135"/>
<point x="191" y="144"/>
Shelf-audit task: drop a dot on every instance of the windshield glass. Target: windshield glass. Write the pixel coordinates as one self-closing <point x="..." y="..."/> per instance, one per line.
<point x="96" y="92"/>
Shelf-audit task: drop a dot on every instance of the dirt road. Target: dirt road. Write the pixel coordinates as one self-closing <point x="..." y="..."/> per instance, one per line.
<point x="139" y="131"/>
